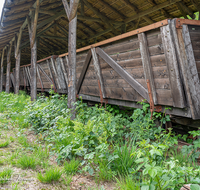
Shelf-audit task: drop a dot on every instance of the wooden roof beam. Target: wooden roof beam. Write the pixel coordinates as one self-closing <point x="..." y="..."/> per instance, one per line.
<point x="115" y="11"/>
<point x="196" y="3"/>
<point x="135" y="10"/>
<point x="105" y="19"/>
<point x="187" y="10"/>
<point x="163" y="11"/>
<point x="181" y="10"/>
<point x="135" y="17"/>
<point x="151" y="10"/>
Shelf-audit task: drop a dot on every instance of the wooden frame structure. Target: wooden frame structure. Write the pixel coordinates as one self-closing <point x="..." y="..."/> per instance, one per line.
<point x="117" y="71"/>
<point x="40" y="24"/>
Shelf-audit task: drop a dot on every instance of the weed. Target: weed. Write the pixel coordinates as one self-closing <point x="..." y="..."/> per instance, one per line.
<point x="5" y="175"/>
<point x="71" y="167"/>
<point x="4" y="144"/>
<point x="23" y="141"/>
<point x="51" y="175"/>
<point x="27" y="162"/>
<point x="128" y="183"/>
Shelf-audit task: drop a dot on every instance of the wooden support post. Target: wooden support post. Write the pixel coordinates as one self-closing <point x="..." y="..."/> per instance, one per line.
<point x="172" y="64"/>
<point x="72" y="65"/>
<point x="8" y="68"/>
<point x="146" y="61"/>
<point x="32" y="26"/>
<point x="98" y="71"/>
<point x="1" y="80"/>
<point x="72" y="17"/>
<point x="17" y="64"/>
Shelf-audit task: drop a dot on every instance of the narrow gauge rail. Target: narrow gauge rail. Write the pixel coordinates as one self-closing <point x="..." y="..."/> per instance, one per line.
<point x="159" y="63"/>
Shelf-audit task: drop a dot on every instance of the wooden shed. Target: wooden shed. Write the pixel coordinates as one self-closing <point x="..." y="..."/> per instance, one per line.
<point x="127" y="51"/>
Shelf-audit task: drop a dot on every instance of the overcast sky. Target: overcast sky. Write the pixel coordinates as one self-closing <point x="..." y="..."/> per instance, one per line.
<point x="1" y="5"/>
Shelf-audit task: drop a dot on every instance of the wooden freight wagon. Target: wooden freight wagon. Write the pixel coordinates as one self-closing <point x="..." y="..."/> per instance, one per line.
<point x="159" y="63"/>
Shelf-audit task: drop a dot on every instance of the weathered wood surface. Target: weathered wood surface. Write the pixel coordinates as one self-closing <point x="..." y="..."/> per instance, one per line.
<point x="167" y="56"/>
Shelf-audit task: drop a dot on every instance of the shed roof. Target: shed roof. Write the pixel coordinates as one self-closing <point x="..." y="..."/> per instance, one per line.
<point x="97" y="20"/>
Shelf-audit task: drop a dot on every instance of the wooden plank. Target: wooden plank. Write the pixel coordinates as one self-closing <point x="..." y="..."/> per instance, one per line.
<point x="172" y="111"/>
<point x="64" y="71"/>
<point x="60" y="74"/>
<point x="137" y="86"/>
<point x="12" y="79"/>
<point x="55" y="72"/>
<point x="51" y="75"/>
<point x="1" y="79"/>
<point x="39" y="77"/>
<point x="27" y="75"/>
<point x="45" y="74"/>
<point x="98" y="71"/>
<point x="122" y="36"/>
<point x="84" y="70"/>
<point x="147" y="66"/>
<point x="24" y="75"/>
<point x="172" y="64"/>
<point x="188" y="69"/>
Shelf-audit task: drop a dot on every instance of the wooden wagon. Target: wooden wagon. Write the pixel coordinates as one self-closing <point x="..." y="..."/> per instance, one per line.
<point x="159" y="63"/>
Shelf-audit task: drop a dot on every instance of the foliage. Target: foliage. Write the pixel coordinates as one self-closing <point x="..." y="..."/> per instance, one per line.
<point x="26" y="161"/>
<point x="4" y="144"/>
<point x="110" y="144"/>
<point x="5" y="175"/>
<point x="51" y="175"/>
<point x="71" y="167"/>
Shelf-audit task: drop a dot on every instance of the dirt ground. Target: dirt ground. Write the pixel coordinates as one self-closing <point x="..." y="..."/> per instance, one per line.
<point x="26" y="179"/>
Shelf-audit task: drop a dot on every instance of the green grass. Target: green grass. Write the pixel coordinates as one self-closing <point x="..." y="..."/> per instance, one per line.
<point x="127" y="183"/>
<point x="23" y="141"/>
<point x="5" y="175"/>
<point x="71" y="167"/>
<point x="27" y="162"/>
<point x="4" y="144"/>
<point x="51" y="175"/>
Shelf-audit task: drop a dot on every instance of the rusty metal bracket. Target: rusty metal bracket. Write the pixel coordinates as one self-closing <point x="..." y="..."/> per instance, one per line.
<point x="152" y="106"/>
<point x="102" y="100"/>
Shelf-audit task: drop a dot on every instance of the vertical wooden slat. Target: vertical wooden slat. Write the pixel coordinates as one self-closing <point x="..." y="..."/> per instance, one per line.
<point x="51" y="75"/>
<point x="98" y="71"/>
<point x="13" y="80"/>
<point x="1" y="80"/>
<point x="64" y="71"/>
<point x="188" y="68"/>
<point x="60" y="74"/>
<point x="25" y="81"/>
<point x="41" y="83"/>
<point x="147" y="66"/>
<point x="172" y="64"/>
<point x="27" y="75"/>
<point x="8" y="69"/>
<point x="55" y="72"/>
